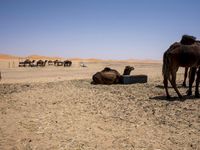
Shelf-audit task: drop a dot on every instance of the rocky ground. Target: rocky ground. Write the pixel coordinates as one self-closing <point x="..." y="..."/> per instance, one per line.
<point x="74" y="114"/>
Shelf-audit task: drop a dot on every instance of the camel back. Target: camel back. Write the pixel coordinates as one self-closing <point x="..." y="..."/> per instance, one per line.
<point x="181" y="56"/>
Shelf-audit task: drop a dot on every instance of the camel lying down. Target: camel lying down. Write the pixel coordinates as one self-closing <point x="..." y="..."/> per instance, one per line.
<point x="110" y="76"/>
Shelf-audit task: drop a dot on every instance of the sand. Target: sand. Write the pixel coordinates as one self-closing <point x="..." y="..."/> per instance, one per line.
<point x="57" y="108"/>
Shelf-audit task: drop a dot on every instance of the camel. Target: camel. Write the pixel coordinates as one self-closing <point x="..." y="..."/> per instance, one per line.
<point x="110" y="76"/>
<point x="32" y="64"/>
<point x="55" y="62"/>
<point x="25" y="63"/>
<point x="187" y="40"/>
<point x="58" y="63"/>
<point x="179" y="55"/>
<point x="50" y="62"/>
<point x="41" y="63"/>
<point x="21" y="64"/>
<point x="67" y="63"/>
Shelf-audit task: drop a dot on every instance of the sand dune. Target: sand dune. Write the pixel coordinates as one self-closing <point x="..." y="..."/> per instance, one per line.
<point x="37" y="57"/>
<point x="7" y="57"/>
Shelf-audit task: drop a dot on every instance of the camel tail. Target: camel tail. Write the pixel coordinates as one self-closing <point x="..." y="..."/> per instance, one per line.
<point x="166" y="64"/>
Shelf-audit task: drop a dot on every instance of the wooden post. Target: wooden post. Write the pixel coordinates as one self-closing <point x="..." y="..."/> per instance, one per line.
<point x="0" y="76"/>
<point x="13" y="64"/>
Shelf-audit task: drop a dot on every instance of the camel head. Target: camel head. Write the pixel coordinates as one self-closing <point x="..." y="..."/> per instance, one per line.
<point x="128" y="70"/>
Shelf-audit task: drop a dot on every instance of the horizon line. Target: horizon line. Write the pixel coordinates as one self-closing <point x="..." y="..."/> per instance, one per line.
<point x="83" y="58"/>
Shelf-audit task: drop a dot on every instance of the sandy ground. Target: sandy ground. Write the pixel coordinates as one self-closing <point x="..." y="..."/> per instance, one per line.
<point x="58" y="108"/>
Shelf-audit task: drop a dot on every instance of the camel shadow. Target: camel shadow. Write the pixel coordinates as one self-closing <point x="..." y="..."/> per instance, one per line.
<point x="172" y="99"/>
<point x="178" y="86"/>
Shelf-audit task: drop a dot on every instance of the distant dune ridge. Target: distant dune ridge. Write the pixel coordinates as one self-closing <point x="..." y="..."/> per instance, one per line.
<point x="37" y="57"/>
<point x="6" y="56"/>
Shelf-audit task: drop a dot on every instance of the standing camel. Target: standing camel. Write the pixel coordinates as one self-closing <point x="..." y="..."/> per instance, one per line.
<point x="25" y="63"/>
<point x="32" y="64"/>
<point x="187" y="40"/>
<point x="41" y="63"/>
<point x="67" y="63"/>
<point x="176" y="56"/>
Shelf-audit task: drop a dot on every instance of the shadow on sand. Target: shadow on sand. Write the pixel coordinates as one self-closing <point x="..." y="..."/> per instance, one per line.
<point x="164" y="98"/>
<point x="178" y="86"/>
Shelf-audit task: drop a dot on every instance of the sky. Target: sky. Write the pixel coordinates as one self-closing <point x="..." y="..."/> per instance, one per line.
<point x="103" y="29"/>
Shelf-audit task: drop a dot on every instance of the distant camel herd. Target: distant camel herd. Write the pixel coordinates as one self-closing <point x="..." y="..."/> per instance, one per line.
<point x="42" y="63"/>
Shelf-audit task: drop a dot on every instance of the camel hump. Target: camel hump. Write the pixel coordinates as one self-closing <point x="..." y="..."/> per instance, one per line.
<point x="188" y="40"/>
<point x="107" y="69"/>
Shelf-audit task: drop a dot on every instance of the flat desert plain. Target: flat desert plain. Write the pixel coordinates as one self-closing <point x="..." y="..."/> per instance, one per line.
<point x="57" y="108"/>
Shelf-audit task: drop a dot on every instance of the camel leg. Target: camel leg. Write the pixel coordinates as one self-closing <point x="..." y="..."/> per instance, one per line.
<point x="191" y="80"/>
<point x="173" y="82"/>
<point x="185" y="76"/>
<point x="197" y="84"/>
<point x="165" y="82"/>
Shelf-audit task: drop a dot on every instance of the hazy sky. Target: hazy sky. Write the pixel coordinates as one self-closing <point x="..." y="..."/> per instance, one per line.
<point x="107" y="29"/>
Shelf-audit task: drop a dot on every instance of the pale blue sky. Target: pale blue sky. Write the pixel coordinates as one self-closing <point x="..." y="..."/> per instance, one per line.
<point x="106" y="29"/>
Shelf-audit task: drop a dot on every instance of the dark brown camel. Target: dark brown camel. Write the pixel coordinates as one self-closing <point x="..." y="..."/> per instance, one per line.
<point x="67" y="63"/>
<point x="110" y="76"/>
<point x="21" y="64"/>
<point x="179" y="55"/>
<point x="41" y="63"/>
<point x="25" y="63"/>
<point x="55" y="62"/>
<point x="32" y="63"/>
<point x="187" y="40"/>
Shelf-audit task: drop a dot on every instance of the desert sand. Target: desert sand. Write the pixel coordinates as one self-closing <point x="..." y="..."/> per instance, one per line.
<point x="57" y="108"/>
